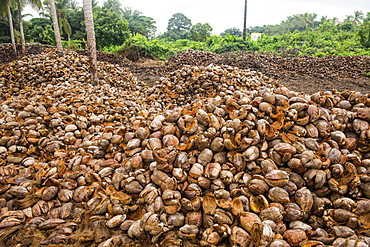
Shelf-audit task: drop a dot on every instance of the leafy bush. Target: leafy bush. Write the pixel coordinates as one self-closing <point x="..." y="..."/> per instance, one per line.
<point x="112" y="48"/>
<point x="144" y="47"/>
<point x="109" y="27"/>
<point x="364" y="33"/>
<point x="73" y="44"/>
<point x="4" y="31"/>
<point x="326" y="40"/>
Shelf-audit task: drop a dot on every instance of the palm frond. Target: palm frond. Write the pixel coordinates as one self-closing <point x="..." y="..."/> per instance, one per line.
<point x="35" y="4"/>
<point x="4" y="7"/>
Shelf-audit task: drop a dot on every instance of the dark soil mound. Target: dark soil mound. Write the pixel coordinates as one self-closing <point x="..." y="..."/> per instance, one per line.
<point x="306" y="74"/>
<point x="321" y="67"/>
<point x="7" y="52"/>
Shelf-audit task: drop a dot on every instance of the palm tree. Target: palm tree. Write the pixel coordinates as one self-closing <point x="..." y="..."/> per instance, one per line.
<point x="56" y="28"/>
<point x="36" y="4"/>
<point x="12" y="37"/>
<point x="5" y="4"/>
<point x="12" y="30"/>
<point x="138" y="23"/>
<point x="245" y="21"/>
<point x="61" y="7"/>
<point x="91" y="44"/>
<point x="334" y="20"/>
<point x="113" y="5"/>
<point x="358" y="18"/>
<point x="307" y="19"/>
<point x="5" y="11"/>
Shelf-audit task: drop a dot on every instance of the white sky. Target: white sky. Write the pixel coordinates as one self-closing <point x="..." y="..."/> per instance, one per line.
<point x="227" y="14"/>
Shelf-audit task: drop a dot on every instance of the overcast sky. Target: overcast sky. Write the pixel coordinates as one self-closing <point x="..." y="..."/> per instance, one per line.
<point x="227" y="14"/>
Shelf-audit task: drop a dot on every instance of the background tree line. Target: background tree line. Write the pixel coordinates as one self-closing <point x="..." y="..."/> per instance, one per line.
<point x="118" y="28"/>
<point x="113" y="25"/>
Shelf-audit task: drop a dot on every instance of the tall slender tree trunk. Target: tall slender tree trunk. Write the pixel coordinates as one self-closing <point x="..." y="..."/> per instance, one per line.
<point x="245" y="21"/>
<point x="91" y="44"/>
<point x="56" y="28"/>
<point x="12" y="30"/>
<point x="23" y="43"/>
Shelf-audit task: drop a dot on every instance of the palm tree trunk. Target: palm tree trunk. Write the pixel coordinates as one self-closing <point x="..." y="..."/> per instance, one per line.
<point x="56" y="28"/>
<point x="245" y="21"/>
<point x="91" y="44"/>
<point x="12" y="30"/>
<point x="23" y="43"/>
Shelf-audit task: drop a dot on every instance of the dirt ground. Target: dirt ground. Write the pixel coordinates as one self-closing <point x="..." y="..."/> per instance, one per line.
<point x="310" y="85"/>
<point x="304" y="74"/>
<point x="152" y="70"/>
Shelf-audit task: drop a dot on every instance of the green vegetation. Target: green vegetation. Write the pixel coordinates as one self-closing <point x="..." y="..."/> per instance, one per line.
<point x="119" y="30"/>
<point x="137" y="23"/>
<point x="178" y="28"/>
<point x="110" y="29"/>
<point x="316" y="43"/>
<point x="200" y="32"/>
<point x="232" y="31"/>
